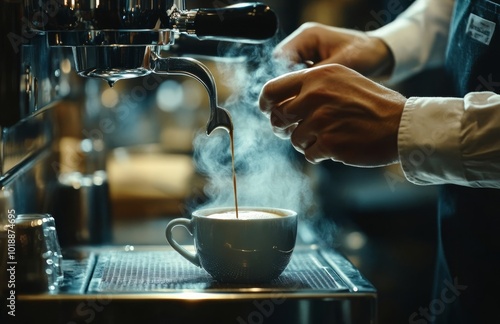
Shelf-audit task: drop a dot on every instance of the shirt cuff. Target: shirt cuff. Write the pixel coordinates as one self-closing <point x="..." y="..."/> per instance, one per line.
<point x="429" y="141"/>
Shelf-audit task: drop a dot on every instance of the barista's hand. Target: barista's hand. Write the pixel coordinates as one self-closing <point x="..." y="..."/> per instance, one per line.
<point x="321" y="44"/>
<point x="333" y="112"/>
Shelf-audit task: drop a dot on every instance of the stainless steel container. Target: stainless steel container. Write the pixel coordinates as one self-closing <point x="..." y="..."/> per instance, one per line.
<point x="83" y="209"/>
<point x="38" y="257"/>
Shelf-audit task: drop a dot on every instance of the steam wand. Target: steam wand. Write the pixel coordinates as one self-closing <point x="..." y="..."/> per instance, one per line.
<point x="219" y="117"/>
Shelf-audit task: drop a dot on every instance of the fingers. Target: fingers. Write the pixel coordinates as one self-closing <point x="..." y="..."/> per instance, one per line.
<point x="302" y="143"/>
<point x="284" y="133"/>
<point x="306" y="140"/>
<point x="299" y="45"/>
<point x="278" y="100"/>
<point x="315" y="153"/>
<point x="286" y="103"/>
<point x="286" y="114"/>
<point x="279" y="90"/>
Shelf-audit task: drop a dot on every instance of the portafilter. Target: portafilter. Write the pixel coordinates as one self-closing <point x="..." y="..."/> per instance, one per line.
<point x="121" y="39"/>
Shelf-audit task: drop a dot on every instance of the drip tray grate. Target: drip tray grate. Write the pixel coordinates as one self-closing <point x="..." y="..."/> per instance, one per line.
<point x="164" y="271"/>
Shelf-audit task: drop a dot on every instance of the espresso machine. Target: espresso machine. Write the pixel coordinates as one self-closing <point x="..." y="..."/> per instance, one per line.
<point x="47" y="42"/>
<point x="49" y="47"/>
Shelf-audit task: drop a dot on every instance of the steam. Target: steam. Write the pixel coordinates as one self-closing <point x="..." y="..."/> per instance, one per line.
<point x="269" y="171"/>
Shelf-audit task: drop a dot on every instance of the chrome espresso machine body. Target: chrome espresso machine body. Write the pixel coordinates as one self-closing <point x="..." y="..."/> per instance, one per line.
<point x="48" y="46"/>
<point x="47" y="41"/>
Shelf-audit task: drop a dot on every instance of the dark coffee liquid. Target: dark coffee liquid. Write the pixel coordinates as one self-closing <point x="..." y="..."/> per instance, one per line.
<point x="234" y="172"/>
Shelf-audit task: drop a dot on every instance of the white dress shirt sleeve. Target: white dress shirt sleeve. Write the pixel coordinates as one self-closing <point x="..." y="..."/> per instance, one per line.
<point x="417" y="37"/>
<point x="452" y="140"/>
<point x="441" y="140"/>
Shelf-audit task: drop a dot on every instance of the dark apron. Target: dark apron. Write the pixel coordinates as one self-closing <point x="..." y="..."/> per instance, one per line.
<point x="467" y="282"/>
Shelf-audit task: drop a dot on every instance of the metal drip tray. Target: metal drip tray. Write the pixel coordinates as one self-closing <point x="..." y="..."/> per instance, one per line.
<point x="167" y="271"/>
<point x="153" y="284"/>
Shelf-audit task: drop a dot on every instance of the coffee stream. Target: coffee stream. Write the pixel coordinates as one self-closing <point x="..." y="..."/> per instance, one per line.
<point x="254" y="144"/>
<point x="234" y="172"/>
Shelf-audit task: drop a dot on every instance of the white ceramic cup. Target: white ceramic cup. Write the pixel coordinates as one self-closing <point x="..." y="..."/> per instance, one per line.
<point x="254" y="248"/>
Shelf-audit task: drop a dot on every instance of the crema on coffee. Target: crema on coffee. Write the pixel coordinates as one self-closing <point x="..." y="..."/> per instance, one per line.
<point x="245" y="215"/>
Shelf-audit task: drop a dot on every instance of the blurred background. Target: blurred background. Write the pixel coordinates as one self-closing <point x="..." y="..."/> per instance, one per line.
<point x="141" y="132"/>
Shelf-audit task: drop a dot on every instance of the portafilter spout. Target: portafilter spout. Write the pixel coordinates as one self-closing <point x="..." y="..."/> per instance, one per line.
<point x="219" y="117"/>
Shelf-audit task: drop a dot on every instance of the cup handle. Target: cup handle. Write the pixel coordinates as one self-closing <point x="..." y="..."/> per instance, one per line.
<point x="186" y="223"/>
